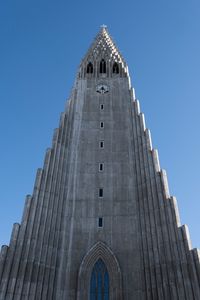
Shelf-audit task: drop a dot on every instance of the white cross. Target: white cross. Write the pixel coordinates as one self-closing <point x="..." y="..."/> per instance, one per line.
<point x="103" y="26"/>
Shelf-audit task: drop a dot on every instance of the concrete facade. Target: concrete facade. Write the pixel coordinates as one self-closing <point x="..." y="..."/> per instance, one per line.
<point x="100" y="194"/>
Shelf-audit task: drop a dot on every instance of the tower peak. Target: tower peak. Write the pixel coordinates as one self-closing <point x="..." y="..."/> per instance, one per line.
<point x="103" y="26"/>
<point x="103" y="49"/>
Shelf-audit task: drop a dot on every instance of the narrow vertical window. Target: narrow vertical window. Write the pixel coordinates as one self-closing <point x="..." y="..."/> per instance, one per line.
<point x="101" y="124"/>
<point x="115" y="68"/>
<point x="101" y="167"/>
<point x="100" y="222"/>
<point x="101" y="144"/>
<point x="100" y="192"/>
<point x="101" y="107"/>
<point x="102" y="66"/>
<point x="90" y="68"/>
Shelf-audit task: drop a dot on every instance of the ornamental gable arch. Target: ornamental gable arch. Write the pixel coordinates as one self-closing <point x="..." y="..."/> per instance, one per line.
<point x="99" y="251"/>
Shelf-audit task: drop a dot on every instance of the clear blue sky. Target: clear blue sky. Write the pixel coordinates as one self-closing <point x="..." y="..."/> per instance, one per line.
<point x="42" y="44"/>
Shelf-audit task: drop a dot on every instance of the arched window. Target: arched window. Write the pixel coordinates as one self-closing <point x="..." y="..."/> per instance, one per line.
<point x="115" y="68"/>
<point x="90" y="68"/>
<point x="102" y="66"/>
<point x="99" y="282"/>
<point x="109" y="274"/>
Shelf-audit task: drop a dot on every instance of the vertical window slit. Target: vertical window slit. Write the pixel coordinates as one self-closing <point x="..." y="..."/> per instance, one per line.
<point x="100" y="222"/>
<point x="100" y="192"/>
<point x="115" y="68"/>
<point x="102" y="66"/>
<point x="90" y="68"/>
<point x="101" y="167"/>
<point x="101" y="144"/>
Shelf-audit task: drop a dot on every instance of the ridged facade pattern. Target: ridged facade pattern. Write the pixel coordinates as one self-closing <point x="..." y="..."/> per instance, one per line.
<point x="146" y="250"/>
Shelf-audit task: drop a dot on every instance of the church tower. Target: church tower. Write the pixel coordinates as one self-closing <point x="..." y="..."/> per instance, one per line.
<point x="100" y="224"/>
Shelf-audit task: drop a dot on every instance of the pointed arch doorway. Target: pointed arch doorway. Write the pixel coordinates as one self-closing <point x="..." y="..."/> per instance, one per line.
<point x="99" y="275"/>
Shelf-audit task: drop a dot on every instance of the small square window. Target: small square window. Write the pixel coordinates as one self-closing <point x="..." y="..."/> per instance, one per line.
<point x="101" y="144"/>
<point x="101" y="167"/>
<point x="100" y="192"/>
<point x="101" y="124"/>
<point x="101" y="107"/>
<point x="100" y="222"/>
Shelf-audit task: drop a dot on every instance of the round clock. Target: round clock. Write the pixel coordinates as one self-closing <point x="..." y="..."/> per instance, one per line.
<point x="102" y="88"/>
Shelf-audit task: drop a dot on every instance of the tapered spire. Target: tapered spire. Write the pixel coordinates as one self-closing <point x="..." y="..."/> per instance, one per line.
<point x="103" y="49"/>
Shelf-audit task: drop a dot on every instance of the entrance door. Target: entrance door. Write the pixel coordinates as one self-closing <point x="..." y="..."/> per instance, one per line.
<point x="99" y="282"/>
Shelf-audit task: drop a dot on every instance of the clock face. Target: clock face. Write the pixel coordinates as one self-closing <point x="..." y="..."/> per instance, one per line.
<point x="102" y="88"/>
